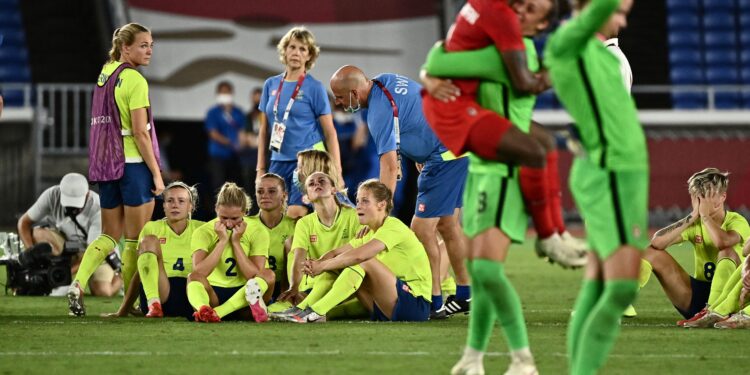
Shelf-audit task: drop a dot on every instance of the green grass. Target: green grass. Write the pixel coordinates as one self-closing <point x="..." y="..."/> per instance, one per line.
<point x="38" y="336"/>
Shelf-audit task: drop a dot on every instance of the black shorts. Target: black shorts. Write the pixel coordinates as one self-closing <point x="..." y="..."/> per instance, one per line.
<point x="177" y="305"/>
<point x="701" y="290"/>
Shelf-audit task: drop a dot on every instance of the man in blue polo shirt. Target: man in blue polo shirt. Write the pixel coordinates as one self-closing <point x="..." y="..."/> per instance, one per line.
<point x="398" y="126"/>
<point x="224" y="121"/>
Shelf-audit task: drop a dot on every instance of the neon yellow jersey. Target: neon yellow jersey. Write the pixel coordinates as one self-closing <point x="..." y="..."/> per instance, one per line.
<point x="254" y="242"/>
<point x="277" y="260"/>
<point x="404" y="255"/>
<point x="705" y="250"/>
<point x="317" y="239"/>
<point x="175" y="248"/>
<point x="131" y="92"/>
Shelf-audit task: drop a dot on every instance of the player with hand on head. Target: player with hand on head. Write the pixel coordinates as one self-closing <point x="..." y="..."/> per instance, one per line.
<point x="230" y="254"/>
<point x="398" y="126"/>
<point x="387" y="269"/>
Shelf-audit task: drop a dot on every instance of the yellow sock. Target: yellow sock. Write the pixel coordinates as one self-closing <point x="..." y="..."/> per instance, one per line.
<point x="448" y="286"/>
<point x="262" y="284"/>
<point x="93" y="257"/>
<point x="234" y="303"/>
<point x="350" y="309"/>
<point x="323" y="283"/>
<point x="129" y="261"/>
<point x="724" y="270"/>
<point x="645" y="274"/>
<point x="345" y="285"/>
<point x="729" y="285"/>
<point x="147" y="268"/>
<point x="730" y="304"/>
<point x="197" y="295"/>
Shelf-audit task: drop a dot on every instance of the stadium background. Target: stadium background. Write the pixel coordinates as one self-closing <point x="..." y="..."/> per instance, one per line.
<point x="689" y="58"/>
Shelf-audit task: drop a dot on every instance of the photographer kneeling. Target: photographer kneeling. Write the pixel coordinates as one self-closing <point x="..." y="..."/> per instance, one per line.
<point x="56" y="230"/>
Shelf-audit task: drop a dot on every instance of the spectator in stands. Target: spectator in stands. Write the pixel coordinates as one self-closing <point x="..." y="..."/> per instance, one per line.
<point x="68" y="218"/>
<point x="224" y="122"/>
<point x="298" y="114"/>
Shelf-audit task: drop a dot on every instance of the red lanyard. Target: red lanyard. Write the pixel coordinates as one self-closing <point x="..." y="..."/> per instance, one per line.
<point x="291" y="100"/>
<point x="396" y="127"/>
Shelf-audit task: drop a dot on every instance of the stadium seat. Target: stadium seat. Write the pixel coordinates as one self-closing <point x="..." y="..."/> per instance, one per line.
<point x="683" y="21"/>
<point x="13" y="98"/>
<point x="10" y="19"/>
<point x="722" y="75"/>
<point x="728" y="100"/>
<point x="689" y="100"/>
<point x="685" y="57"/>
<point x="745" y="74"/>
<point x="720" y="56"/>
<point x="9" y="3"/>
<point x="13" y="55"/>
<point x="713" y="39"/>
<point x="744" y="5"/>
<point x="691" y="39"/>
<point x="12" y="37"/>
<point x="726" y="5"/>
<point x="745" y="57"/>
<point x="745" y="19"/>
<point x="14" y="73"/>
<point x="674" y="5"/>
<point x="745" y="38"/>
<point x="718" y="21"/>
<point x="746" y="99"/>
<point x="547" y="100"/>
<point x="687" y="76"/>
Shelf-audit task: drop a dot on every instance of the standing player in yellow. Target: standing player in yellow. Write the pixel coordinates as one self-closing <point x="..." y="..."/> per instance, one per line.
<point x="388" y="268"/>
<point x="164" y="259"/>
<point x="270" y="191"/>
<point x="330" y="226"/>
<point x="717" y="236"/>
<point x="229" y="262"/>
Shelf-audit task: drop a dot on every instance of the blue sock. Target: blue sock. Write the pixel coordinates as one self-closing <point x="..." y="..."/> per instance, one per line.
<point x="463" y="292"/>
<point x="437" y="302"/>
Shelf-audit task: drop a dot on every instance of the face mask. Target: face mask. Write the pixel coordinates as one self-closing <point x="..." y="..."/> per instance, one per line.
<point x="295" y="179"/>
<point x="351" y="109"/>
<point x="224" y="99"/>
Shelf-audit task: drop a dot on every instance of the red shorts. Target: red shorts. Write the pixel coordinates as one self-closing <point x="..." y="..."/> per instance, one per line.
<point x="463" y="125"/>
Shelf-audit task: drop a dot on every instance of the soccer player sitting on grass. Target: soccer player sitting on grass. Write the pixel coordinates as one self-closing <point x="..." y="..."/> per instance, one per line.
<point x="717" y="236"/>
<point x="164" y="258"/>
<point x="330" y="226"/>
<point x="387" y="268"/>
<point x="731" y="301"/>
<point x="229" y="262"/>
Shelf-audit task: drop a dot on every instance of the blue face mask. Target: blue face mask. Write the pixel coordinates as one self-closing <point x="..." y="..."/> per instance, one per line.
<point x="351" y="109"/>
<point x="295" y="179"/>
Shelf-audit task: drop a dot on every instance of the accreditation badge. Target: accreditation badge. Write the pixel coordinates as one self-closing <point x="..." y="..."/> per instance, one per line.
<point x="277" y="136"/>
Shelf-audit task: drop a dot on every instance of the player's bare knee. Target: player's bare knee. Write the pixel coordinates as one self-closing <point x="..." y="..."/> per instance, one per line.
<point x="149" y="244"/>
<point x="729" y="253"/>
<point x="268" y="275"/>
<point x="194" y="276"/>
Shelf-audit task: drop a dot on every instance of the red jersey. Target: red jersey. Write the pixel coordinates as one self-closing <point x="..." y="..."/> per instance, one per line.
<point x="481" y="23"/>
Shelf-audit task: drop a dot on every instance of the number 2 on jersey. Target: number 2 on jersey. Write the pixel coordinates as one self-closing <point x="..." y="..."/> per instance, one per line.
<point x="230" y="270"/>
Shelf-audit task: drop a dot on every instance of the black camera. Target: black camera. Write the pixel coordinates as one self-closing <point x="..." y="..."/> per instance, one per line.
<point x="36" y="271"/>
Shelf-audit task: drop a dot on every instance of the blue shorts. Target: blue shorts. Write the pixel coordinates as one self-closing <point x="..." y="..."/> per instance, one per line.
<point x="440" y="188"/>
<point x="285" y="169"/>
<point x="699" y="299"/>
<point x="133" y="189"/>
<point x="177" y="305"/>
<point x="226" y="293"/>
<point x="408" y="308"/>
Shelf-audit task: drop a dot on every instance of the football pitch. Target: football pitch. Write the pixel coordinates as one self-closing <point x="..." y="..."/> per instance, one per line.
<point x="38" y="337"/>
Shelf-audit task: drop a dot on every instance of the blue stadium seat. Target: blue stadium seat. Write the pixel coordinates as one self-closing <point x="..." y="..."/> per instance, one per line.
<point x="746" y="99"/>
<point x="718" y="21"/>
<point x="728" y="100"/>
<point x="744" y="5"/>
<point x="673" y="5"/>
<point x="547" y="100"/>
<point x="713" y="39"/>
<point x="687" y="76"/>
<point x="14" y="73"/>
<point x="689" y="100"/>
<point x="727" y="5"/>
<point x="12" y="37"/>
<point x="745" y="74"/>
<point x="720" y="56"/>
<point x="722" y="75"/>
<point x="13" y="55"/>
<point x="12" y="98"/>
<point x="745" y="38"/>
<point x="8" y="3"/>
<point x="10" y="18"/>
<point x="683" y="21"/>
<point x="745" y="57"/>
<point x="690" y="39"/>
<point x="685" y="57"/>
<point x="745" y="19"/>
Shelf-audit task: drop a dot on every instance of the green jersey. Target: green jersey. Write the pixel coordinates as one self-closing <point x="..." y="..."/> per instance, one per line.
<point x="226" y="274"/>
<point x="404" y="255"/>
<point x="131" y="93"/>
<point x="277" y="260"/>
<point x="317" y="239"/>
<point x="176" y="252"/>
<point x="588" y="82"/>
<point x="706" y="251"/>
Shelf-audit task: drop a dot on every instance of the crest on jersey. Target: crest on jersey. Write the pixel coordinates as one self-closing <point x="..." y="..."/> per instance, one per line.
<point x="162" y="240"/>
<point x="313" y="238"/>
<point x="699" y="239"/>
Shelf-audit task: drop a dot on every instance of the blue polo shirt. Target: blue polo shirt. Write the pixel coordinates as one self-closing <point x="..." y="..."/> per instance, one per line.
<point x="418" y="142"/>
<point x="303" y="129"/>
<point x="228" y="125"/>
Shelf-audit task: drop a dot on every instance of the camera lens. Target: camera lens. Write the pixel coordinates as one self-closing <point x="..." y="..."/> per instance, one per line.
<point x="59" y="276"/>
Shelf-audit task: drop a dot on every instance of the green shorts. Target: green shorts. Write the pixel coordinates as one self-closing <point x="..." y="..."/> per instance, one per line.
<point x="492" y="198"/>
<point x="612" y="204"/>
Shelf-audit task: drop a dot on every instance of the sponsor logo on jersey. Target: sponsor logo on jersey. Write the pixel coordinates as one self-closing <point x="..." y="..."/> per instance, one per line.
<point x="162" y="240"/>
<point x="699" y="239"/>
<point x="313" y="238"/>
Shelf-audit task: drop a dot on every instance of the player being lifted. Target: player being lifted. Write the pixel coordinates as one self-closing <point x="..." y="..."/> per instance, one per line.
<point x="229" y="262"/>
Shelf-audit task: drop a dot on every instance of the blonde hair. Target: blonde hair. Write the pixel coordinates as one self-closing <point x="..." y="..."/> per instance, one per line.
<point x="379" y="191"/>
<point x="306" y="37"/>
<point x="124" y="36"/>
<point x="192" y="192"/>
<point x="311" y="161"/>
<point x="232" y="195"/>
<point x="700" y="183"/>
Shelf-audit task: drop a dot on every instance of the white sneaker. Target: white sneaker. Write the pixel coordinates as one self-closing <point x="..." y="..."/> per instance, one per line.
<point x="254" y="298"/>
<point x="306" y="316"/>
<point x="468" y="366"/>
<point x="279" y="316"/>
<point x="75" y="300"/>
<point x="522" y="363"/>
<point x="579" y="244"/>
<point x="557" y="251"/>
